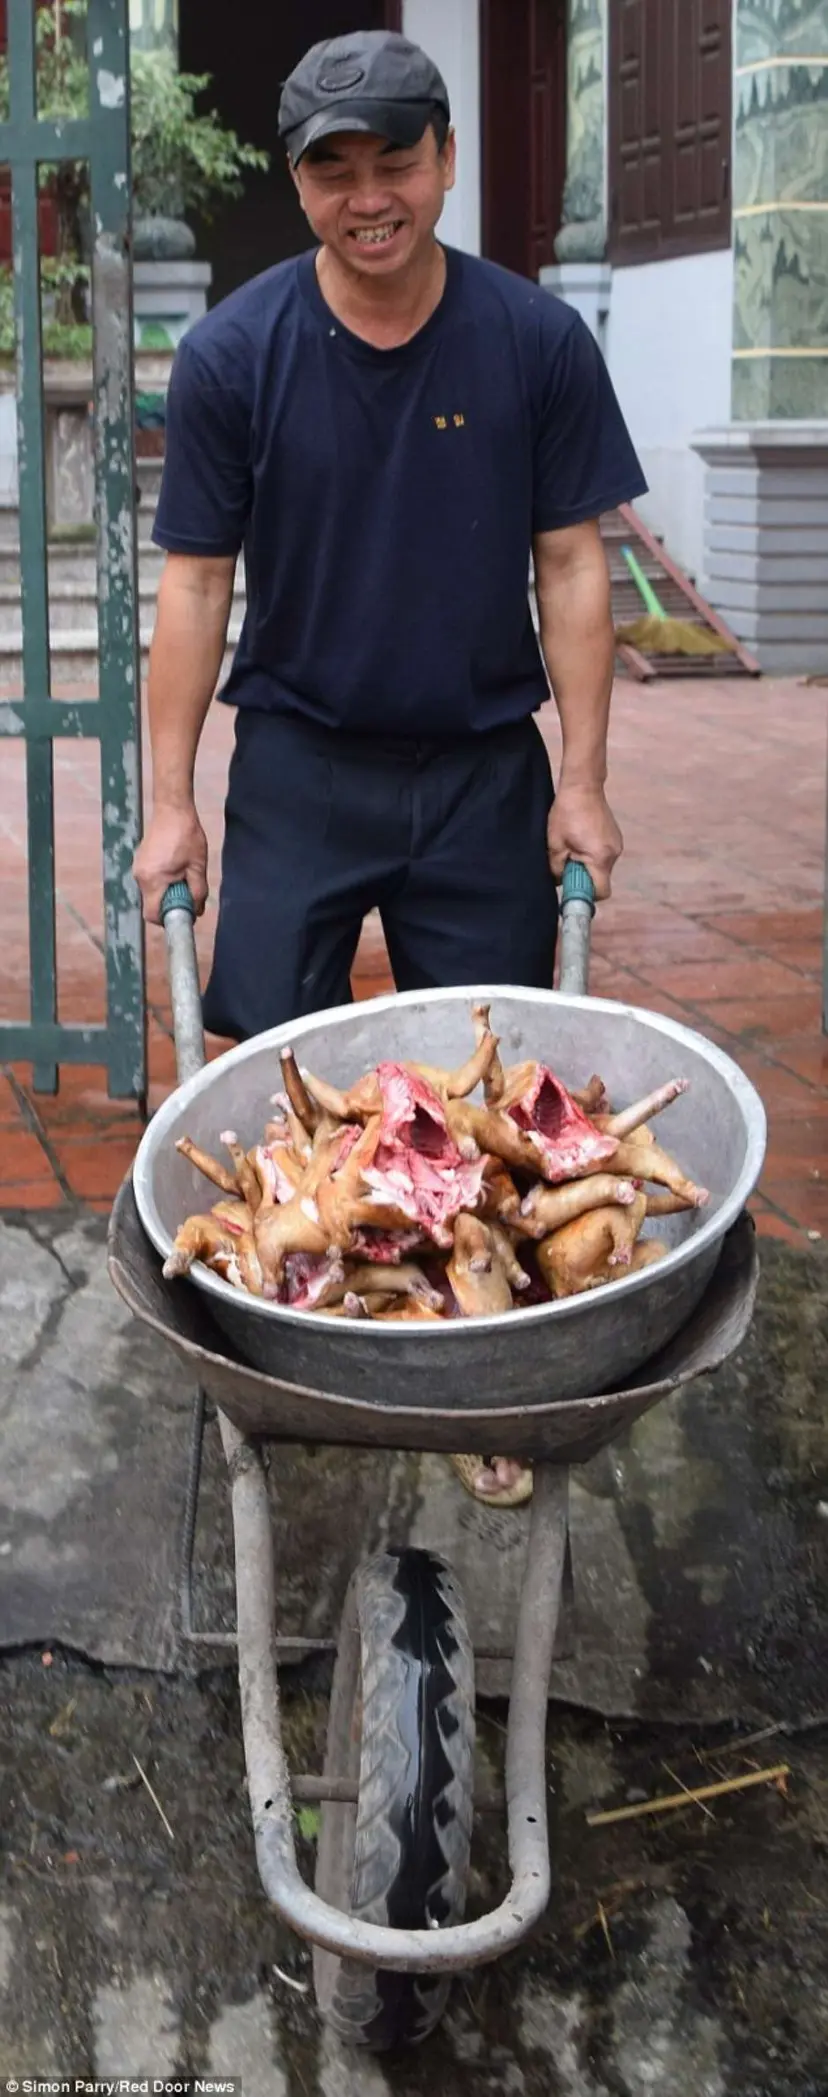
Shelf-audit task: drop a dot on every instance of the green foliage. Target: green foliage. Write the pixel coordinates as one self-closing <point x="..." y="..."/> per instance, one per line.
<point x="61" y="338"/>
<point x="181" y="161"/>
<point x="68" y="338"/>
<point x="309" y="1822"/>
<point x="62" y="89"/>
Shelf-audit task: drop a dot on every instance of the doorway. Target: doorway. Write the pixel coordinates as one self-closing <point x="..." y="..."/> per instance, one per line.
<point x="523" y="82"/>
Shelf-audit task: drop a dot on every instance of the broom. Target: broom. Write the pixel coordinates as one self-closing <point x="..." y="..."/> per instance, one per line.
<point x="657" y="634"/>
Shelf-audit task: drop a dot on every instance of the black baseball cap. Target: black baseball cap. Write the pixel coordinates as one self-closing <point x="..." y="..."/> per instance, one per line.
<point x="373" y="81"/>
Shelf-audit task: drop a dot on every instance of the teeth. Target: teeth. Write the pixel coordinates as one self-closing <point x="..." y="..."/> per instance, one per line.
<point x="374" y="235"/>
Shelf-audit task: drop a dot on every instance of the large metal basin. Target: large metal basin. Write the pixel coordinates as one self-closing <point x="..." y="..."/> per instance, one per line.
<point x="565" y="1350"/>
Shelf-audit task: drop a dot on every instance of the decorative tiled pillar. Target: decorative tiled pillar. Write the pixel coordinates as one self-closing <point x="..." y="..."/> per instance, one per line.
<point x="583" y="235"/>
<point x="780" y="210"/>
<point x="581" y="276"/>
<point x="766" y="514"/>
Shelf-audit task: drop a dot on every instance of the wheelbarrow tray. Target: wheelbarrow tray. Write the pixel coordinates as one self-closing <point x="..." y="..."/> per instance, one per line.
<point x="568" y="1431"/>
<point x="549" y="1352"/>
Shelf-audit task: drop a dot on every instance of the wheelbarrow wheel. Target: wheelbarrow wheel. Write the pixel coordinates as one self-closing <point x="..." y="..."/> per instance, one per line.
<point x="402" y="1723"/>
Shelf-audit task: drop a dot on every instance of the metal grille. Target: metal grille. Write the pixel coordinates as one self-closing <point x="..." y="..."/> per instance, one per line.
<point x="102" y="140"/>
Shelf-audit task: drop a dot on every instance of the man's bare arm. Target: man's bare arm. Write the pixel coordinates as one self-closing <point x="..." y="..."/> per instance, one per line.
<point x="577" y="640"/>
<point x="193" y="613"/>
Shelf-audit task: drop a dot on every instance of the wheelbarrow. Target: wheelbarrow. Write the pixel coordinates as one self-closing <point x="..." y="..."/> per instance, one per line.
<point x="554" y="1384"/>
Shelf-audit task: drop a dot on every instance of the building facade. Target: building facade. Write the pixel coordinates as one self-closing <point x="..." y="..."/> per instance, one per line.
<point x="699" y="128"/>
<point x="663" y="164"/>
<point x="660" y="164"/>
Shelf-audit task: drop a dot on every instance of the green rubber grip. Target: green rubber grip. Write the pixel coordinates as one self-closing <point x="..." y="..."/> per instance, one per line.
<point x="644" y="588"/>
<point x="177" y="897"/>
<point x="577" y="885"/>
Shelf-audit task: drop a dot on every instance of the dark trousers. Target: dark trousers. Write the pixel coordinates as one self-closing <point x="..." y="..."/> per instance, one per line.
<point x="447" y="840"/>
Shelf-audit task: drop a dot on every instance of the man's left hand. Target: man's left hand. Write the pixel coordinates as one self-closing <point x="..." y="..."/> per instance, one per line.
<point x="582" y="826"/>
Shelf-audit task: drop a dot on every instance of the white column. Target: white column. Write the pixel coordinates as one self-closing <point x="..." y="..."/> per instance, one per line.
<point x="449" y="30"/>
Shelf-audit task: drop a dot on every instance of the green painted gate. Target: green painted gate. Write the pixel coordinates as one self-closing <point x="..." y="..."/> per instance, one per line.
<point x="102" y="140"/>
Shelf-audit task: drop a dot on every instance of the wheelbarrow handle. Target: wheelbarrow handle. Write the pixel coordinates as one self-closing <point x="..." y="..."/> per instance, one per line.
<point x="577" y="913"/>
<point x="178" y="920"/>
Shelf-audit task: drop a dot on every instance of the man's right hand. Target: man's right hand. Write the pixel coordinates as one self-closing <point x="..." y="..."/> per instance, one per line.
<point x="174" y="848"/>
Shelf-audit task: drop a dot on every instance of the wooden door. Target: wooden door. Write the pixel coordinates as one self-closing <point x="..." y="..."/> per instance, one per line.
<point x="669" y="132"/>
<point x="523" y="76"/>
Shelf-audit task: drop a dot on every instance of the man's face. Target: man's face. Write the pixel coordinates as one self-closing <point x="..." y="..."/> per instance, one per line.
<point x="375" y="205"/>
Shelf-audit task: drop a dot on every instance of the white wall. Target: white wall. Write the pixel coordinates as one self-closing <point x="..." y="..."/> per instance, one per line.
<point x="668" y="350"/>
<point x="449" y="31"/>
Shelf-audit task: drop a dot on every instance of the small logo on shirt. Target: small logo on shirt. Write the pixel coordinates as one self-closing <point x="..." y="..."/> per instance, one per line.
<point x="441" y="422"/>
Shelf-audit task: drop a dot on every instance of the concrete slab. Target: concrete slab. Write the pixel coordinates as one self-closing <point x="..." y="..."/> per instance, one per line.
<point x="684" y="1956"/>
<point x="698" y="1543"/>
<point x="90" y="1482"/>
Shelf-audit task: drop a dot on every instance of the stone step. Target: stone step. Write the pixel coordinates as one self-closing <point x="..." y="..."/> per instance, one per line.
<point x="147" y="488"/>
<point x="148" y="473"/>
<point x="73" y="607"/>
<point x="74" y="563"/>
<point x="74" y="653"/>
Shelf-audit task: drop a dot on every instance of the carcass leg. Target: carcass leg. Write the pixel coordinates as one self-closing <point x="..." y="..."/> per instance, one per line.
<point x="210" y="1167"/>
<point x="647" y="1161"/>
<point x="497" y="1481"/>
<point x="200" y="1238"/>
<point x="494" y="1079"/>
<point x="630" y="1118"/>
<point x="247" y="1179"/>
<point x="307" y="1110"/>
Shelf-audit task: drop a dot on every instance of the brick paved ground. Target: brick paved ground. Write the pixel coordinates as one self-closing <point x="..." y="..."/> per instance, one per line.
<point x="716" y="919"/>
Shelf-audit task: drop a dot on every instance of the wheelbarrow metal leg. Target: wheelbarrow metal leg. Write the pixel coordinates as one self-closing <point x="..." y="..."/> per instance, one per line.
<point x="289" y="1649"/>
<point x="413" y="1951"/>
<point x="538" y="1616"/>
<point x="185" y="1578"/>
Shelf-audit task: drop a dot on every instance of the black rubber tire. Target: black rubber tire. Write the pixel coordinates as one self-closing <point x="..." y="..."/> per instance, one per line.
<point x="402" y="1721"/>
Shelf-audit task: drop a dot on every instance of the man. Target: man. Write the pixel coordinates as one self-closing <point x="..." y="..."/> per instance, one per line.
<point x="389" y="428"/>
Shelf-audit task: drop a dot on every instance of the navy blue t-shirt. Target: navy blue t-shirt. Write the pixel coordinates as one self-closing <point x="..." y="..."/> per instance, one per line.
<point x="386" y="499"/>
